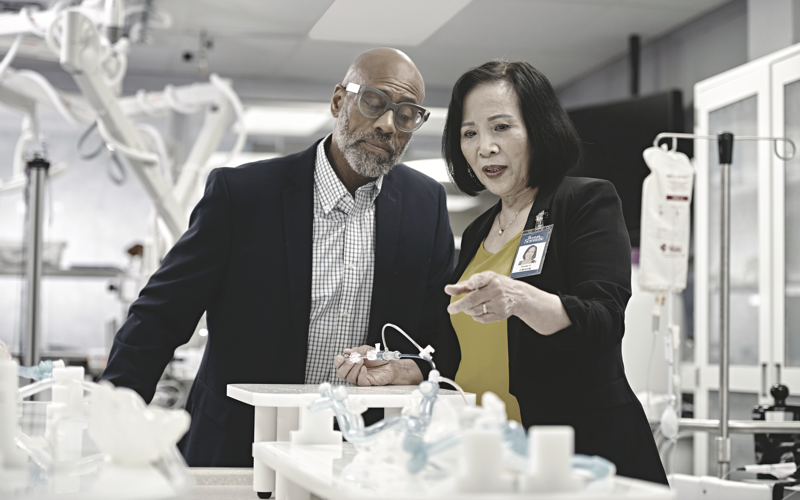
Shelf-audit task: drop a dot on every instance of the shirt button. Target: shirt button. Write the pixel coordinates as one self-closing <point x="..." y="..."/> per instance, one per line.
<point x="345" y="314"/>
<point x="350" y="266"/>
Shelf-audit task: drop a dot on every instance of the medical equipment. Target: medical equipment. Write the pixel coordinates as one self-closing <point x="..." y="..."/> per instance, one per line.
<point x="37" y="169"/>
<point x="86" y="38"/>
<point x="42" y="371"/>
<point x="488" y="441"/>
<point x="725" y="142"/>
<point x="425" y="354"/>
<point x="488" y="445"/>
<point x="776" y="448"/>
<point x="111" y="445"/>
<point x="664" y="256"/>
<point x="378" y="355"/>
<point x="666" y="202"/>
<point x="780" y="471"/>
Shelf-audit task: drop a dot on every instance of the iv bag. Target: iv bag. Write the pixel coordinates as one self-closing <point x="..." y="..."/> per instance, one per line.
<point x="664" y="243"/>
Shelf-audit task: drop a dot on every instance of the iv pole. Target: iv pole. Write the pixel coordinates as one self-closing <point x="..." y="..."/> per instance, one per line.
<point x="725" y="143"/>
<point x="37" y="175"/>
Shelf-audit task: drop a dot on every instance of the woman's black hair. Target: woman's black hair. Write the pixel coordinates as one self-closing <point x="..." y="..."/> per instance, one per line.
<point x="554" y="142"/>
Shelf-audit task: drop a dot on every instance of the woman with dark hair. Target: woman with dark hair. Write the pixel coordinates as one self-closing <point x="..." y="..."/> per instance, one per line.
<point x="549" y="343"/>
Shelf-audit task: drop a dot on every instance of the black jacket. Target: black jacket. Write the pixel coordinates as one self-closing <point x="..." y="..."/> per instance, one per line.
<point x="246" y="260"/>
<point x="588" y="264"/>
<point x="574" y="377"/>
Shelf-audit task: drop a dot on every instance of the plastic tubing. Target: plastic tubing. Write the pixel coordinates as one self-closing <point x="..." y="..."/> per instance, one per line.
<point x="85" y="135"/>
<point x="383" y="336"/>
<point x="174" y="103"/>
<point x="48" y="89"/>
<point x="25" y="14"/>
<point x="36" y="387"/>
<point x="143" y="156"/>
<point x="10" y="55"/>
<point x="598" y="467"/>
<point x="38" y="454"/>
<point x="154" y="134"/>
<point x="121" y="52"/>
<point x="141" y="99"/>
<point x="49" y="33"/>
<point x="458" y="387"/>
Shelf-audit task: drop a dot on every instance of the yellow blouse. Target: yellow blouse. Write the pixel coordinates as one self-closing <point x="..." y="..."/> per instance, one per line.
<point x="484" y="346"/>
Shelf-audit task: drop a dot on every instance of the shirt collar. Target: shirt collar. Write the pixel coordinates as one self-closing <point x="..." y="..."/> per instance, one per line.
<point x="329" y="187"/>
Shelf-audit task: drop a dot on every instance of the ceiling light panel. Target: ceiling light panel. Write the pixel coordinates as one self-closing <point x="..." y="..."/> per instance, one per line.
<point x="383" y="22"/>
<point x="300" y="121"/>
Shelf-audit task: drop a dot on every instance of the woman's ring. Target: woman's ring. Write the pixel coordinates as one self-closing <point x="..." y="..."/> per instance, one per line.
<point x="484" y="308"/>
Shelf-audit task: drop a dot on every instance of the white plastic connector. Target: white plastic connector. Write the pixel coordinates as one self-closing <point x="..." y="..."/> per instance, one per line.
<point x="426" y="353"/>
<point x="550" y="451"/>
<point x="433" y="376"/>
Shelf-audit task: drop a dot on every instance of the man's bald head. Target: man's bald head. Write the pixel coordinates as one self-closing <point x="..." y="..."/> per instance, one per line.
<point x="385" y="65"/>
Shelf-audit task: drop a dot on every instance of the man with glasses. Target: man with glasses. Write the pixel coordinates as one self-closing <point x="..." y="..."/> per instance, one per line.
<point x="296" y="259"/>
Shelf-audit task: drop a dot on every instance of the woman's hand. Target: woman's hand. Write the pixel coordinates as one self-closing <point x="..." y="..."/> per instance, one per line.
<point x="493" y="297"/>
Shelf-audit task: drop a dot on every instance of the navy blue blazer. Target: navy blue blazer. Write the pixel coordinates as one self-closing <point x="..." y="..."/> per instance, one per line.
<point x="246" y="261"/>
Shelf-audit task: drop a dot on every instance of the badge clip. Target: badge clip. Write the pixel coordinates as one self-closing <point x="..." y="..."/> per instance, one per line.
<point x="540" y="220"/>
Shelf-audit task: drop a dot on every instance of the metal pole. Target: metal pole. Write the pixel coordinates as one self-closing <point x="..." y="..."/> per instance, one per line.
<point x="37" y="175"/>
<point x="739" y="426"/>
<point x="725" y="142"/>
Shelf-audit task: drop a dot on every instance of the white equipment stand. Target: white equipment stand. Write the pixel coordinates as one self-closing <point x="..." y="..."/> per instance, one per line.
<point x="328" y="471"/>
<point x="279" y="409"/>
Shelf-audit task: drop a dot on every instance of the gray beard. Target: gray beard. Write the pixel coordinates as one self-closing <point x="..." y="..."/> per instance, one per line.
<point x="365" y="163"/>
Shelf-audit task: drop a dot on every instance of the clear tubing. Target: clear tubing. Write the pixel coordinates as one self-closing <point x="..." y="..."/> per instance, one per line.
<point x="417" y="356"/>
<point x="35" y="388"/>
<point x="38" y="454"/>
<point x="452" y="383"/>
<point x="383" y="336"/>
<point x="89" y="386"/>
<point x="42" y="371"/>
<point x="598" y="467"/>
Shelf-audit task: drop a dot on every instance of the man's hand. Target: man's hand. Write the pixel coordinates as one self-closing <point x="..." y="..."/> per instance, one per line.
<point x="366" y="372"/>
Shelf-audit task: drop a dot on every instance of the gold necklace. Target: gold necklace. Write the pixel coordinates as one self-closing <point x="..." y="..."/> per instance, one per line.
<point x="500" y="232"/>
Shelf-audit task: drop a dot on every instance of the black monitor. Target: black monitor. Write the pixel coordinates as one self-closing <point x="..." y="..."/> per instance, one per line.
<point x="614" y="137"/>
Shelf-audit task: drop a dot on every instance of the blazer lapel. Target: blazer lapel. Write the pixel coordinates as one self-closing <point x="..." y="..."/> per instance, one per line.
<point x="388" y="212"/>
<point x="298" y="218"/>
<point x="543" y="200"/>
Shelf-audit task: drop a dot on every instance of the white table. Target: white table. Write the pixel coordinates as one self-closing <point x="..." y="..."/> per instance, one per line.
<point x="277" y="414"/>
<point x="328" y="471"/>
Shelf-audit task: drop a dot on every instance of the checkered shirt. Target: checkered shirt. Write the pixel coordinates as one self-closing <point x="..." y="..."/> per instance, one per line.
<point x="343" y="260"/>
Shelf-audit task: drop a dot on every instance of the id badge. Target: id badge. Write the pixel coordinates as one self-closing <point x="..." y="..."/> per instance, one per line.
<point x="532" y="249"/>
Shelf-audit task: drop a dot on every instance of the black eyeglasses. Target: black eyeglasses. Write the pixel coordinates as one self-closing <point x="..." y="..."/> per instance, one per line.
<point x="373" y="103"/>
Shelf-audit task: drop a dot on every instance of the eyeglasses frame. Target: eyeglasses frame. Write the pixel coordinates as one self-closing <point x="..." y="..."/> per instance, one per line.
<point x="358" y="89"/>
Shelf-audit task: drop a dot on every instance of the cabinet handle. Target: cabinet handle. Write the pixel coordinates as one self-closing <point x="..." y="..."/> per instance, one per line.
<point x="763" y="380"/>
<point x="777" y="373"/>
